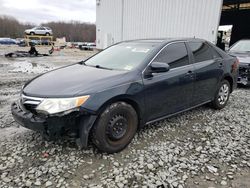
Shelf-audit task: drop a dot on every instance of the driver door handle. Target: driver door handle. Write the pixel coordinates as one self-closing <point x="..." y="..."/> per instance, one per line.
<point x="220" y="64"/>
<point x="190" y="74"/>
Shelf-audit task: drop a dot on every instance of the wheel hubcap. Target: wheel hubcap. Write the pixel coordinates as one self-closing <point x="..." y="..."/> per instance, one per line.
<point x="117" y="127"/>
<point x="223" y="94"/>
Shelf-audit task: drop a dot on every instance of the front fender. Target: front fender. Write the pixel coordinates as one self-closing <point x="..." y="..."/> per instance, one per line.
<point x="132" y="91"/>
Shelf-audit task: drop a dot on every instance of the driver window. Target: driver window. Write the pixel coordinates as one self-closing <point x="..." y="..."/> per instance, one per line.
<point x="174" y="54"/>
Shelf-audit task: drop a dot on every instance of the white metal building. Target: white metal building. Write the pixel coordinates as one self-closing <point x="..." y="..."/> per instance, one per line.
<point x="118" y="20"/>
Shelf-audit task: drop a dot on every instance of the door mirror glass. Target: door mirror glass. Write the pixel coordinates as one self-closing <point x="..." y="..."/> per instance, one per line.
<point x="158" y="67"/>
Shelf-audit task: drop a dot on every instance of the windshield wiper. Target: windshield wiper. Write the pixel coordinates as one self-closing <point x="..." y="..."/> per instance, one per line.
<point x="96" y="66"/>
<point x="101" y="67"/>
<point x="82" y="63"/>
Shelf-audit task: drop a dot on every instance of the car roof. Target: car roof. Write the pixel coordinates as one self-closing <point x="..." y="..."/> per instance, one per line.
<point x="243" y="40"/>
<point x="165" y="40"/>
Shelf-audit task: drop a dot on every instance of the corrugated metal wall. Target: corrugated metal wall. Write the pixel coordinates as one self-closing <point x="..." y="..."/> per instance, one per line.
<point x="118" y="20"/>
<point x="108" y="22"/>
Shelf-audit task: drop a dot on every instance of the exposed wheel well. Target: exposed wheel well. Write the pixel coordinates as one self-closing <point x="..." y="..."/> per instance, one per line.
<point x="134" y="105"/>
<point x="127" y="100"/>
<point x="230" y="80"/>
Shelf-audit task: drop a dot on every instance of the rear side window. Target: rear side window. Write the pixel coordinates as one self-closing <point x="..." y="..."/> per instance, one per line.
<point x="174" y="54"/>
<point x="215" y="53"/>
<point x="201" y="51"/>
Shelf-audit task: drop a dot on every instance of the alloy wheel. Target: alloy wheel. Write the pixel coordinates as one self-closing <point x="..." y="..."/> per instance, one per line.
<point x="223" y="94"/>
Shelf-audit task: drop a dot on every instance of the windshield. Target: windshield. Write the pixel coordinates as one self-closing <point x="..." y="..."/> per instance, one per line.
<point x="241" y="46"/>
<point x="123" y="56"/>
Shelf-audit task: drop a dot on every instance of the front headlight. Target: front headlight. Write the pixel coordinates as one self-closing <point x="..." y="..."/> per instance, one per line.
<point x="56" y="105"/>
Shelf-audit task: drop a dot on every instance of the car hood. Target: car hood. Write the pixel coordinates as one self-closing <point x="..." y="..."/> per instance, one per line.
<point x="74" y="80"/>
<point x="244" y="58"/>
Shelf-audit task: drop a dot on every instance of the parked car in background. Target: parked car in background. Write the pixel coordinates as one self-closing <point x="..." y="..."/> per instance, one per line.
<point x="87" y="46"/>
<point x="241" y="50"/>
<point x="111" y="95"/>
<point x="7" y="41"/>
<point x="21" y="42"/>
<point x="39" y="31"/>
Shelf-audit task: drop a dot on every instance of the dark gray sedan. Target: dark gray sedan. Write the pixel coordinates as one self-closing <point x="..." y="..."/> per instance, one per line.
<point x="241" y="50"/>
<point x="111" y="95"/>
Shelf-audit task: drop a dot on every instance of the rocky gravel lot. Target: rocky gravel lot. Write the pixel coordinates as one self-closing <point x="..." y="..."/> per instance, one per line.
<point x="199" y="148"/>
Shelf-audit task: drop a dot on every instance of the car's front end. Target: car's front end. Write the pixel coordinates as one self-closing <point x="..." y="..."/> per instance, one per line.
<point x="243" y="77"/>
<point x="48" y="31"/>
<point x="51" y="116"/>
<point x="241" y="50"/>
<point x="244" y="74"/>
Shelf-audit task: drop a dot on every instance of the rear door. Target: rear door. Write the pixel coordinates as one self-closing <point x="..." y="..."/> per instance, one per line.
<point x="170" y="92"/>
<point x="208" y="69"/>
<point x="40" y="31"/>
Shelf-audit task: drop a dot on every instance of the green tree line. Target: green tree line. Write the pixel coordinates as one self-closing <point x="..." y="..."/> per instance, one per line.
<point x="74" y="31"/>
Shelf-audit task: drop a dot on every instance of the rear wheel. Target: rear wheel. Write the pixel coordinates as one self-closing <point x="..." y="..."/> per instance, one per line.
<point x="222" y="95"/>
<point x="32" y="33"/>
<point x="115" y="127"/>
<point x="47" y="34"/>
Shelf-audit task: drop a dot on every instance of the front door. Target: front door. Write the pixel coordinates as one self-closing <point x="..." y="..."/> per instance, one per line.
<point x="170" y="92"/>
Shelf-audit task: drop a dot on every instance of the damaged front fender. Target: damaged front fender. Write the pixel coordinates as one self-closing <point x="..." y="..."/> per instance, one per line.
<point x="85" y="125"/>
<point x="244" y="75"/>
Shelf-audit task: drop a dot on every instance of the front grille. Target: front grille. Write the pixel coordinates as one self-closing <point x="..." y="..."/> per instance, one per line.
<point x="30" y="103"/>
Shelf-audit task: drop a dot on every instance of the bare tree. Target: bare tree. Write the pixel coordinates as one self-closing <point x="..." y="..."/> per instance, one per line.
<point x="74" y="31"/>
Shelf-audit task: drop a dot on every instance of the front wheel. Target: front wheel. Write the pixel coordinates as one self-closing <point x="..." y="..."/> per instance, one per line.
<point x="115" y="127"/>
<point x="222" y="95"/>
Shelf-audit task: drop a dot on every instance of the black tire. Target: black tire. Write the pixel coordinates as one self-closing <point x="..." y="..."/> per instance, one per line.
<point x="32" y="33"/>
<point x="115" y="127"/>
<point x="221" y="99"/>
<point x="47" y="34"/>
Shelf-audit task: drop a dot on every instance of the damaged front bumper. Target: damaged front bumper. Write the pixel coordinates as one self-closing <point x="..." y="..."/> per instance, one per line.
<point x="79" y="123"/>
<point x="244" y="75"/>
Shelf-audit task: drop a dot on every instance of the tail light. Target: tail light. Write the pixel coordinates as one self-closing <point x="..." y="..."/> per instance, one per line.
<point x="235" y="65"/>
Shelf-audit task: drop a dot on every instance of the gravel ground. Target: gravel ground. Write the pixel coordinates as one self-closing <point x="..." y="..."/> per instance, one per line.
<point x="198" y="148"/>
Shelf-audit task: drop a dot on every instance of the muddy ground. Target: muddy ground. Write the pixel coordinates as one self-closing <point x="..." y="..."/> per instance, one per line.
<point x="200" y="148"/>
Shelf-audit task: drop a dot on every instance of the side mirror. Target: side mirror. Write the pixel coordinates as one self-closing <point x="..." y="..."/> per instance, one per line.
<point x="158" y="67"/>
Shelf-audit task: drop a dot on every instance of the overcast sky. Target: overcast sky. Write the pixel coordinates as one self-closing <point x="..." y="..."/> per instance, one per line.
<point x="38" y="11"/>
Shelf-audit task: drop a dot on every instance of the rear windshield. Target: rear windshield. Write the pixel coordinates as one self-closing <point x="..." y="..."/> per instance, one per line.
<point x="123" y="56"/>
<point x="241" y="46"/>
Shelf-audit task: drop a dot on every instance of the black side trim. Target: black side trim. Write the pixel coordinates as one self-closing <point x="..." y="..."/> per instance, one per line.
<point x="169" y="115"/>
